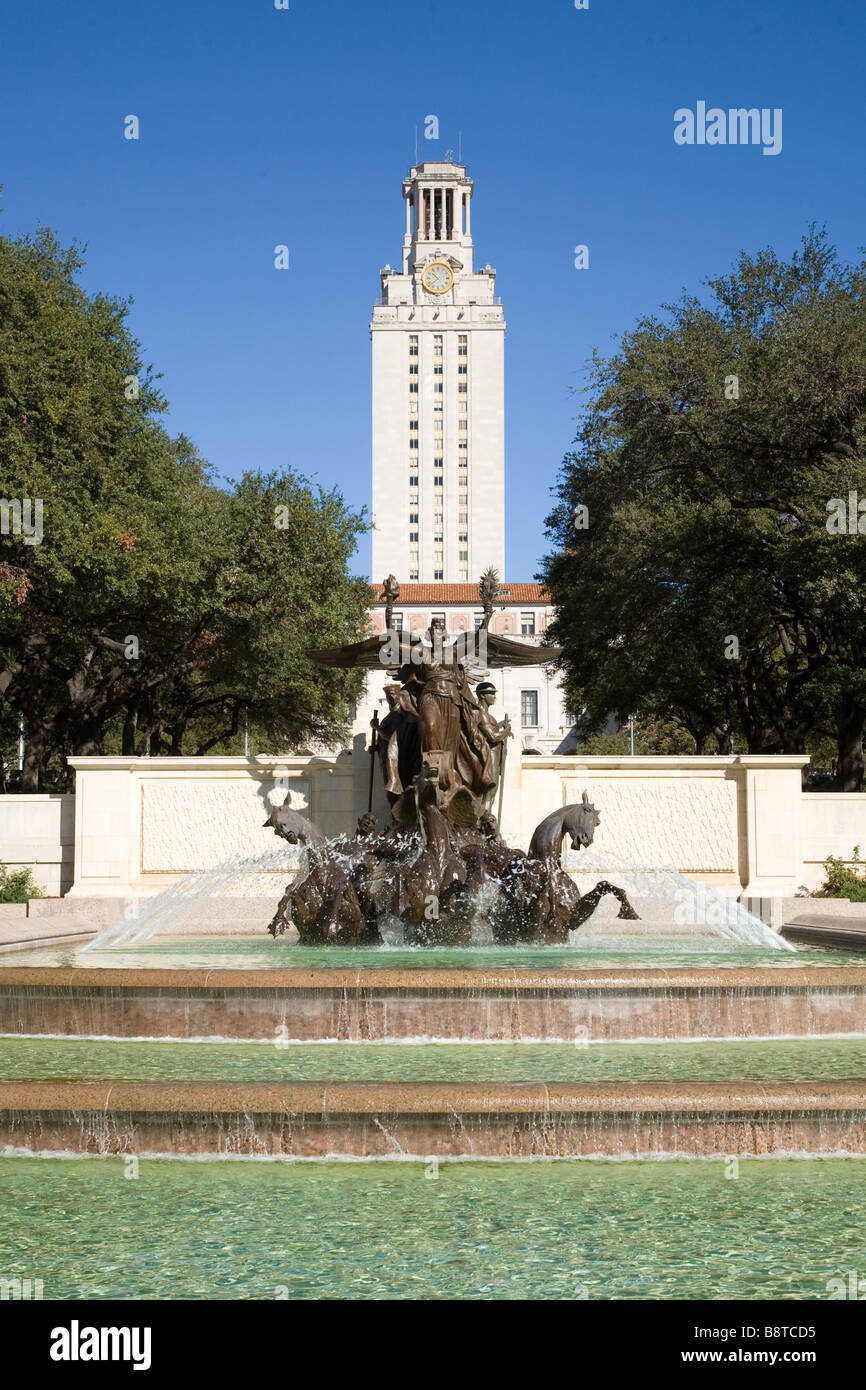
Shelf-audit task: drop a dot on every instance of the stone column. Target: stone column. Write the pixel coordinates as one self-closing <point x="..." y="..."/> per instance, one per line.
<point x="769" y="798"/>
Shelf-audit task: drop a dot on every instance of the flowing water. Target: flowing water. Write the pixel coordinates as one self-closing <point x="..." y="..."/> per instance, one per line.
<point x="812" y="1059"/>
<point x="625" y="949"/>
<point x="468" y="1230"/>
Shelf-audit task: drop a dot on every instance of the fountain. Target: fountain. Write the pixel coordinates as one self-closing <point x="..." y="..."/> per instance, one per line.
<point x="425" y="992"/>
<point x="442" y="854"/>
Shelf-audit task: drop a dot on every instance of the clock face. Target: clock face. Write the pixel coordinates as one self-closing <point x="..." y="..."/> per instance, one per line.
<point x="438" y="278"/>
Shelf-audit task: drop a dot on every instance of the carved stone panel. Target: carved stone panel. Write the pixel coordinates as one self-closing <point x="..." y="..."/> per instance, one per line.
<point x="690" y="823"/>
<point x="187" y="825"/>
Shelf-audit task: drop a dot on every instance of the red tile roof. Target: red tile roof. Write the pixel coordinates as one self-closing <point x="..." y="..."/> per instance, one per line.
<point x="465" y="593"/>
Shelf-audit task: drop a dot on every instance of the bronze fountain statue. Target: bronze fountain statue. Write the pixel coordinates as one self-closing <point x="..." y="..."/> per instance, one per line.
<point x="441" y="753"/>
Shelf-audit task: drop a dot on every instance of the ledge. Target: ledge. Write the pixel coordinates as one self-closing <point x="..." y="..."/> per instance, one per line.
<point x="737" y="978"/>
<point x="431" y="1098"/>
<point x="264" y="762"/>
<point x="668" y="762"/>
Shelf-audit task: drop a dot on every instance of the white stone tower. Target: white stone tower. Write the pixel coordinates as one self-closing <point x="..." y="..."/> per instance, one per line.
<point x="438" y="337"/>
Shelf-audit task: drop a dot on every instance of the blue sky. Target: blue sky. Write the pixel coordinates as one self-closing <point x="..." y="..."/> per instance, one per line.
<point x="261" y="127"/>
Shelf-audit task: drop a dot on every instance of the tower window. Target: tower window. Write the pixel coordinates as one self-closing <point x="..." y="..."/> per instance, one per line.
<point x="413" y="347"/>
<point x="462" y="345"/>
<point x="527" y="624"/>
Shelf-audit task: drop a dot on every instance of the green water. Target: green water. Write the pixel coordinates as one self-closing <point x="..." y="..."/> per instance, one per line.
<point x="245" y="952"/>
<point x="564" y="1230"/>
<point x="822" y="1059"/>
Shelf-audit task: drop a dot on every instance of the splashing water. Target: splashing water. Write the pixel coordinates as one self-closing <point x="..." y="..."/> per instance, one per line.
<point x="696" y="906"/>
<point x="664" y="896"/>
<point x="159" y="913"/>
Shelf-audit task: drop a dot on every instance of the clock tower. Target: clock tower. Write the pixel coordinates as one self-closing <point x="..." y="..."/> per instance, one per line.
<point x="438" y="336"/>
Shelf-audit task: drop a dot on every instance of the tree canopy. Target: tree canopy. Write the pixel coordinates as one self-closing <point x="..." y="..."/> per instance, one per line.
<point x="701" y="570"/>
<point x="157" y="609"/>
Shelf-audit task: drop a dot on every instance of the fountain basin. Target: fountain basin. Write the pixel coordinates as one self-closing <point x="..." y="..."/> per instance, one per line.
<point x="370" y="1004"/>
<point x="434" y="1119"/>
<point x="80" y="1059"/>
<point x="465" y="1230"/>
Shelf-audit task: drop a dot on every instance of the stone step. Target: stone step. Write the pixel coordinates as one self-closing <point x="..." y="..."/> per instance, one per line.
<point x="434" y="1120"/>
<point x="299" y="1004"/>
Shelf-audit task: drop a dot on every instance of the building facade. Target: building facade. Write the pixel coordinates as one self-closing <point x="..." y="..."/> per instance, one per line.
<point x="438" y="398"/>
<point x="438" y="336"/>
<point x="530" y="695"/>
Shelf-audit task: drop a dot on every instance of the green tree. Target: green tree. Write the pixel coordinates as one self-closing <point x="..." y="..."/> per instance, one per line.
<point x="706" y="586"/>
<point x="157" y="608"/>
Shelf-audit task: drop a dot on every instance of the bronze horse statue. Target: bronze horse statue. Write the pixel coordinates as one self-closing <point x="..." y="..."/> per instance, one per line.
<point x="433" y="878"/>
<point x="543" y="903"/>
<point x="323" y="905"/>
<point x="426" y="889"/>
<point x="578" y="820"/>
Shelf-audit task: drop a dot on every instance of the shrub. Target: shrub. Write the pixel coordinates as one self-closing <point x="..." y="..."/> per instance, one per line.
<point x="18" y="886"/>
<point x="843" y="880"/>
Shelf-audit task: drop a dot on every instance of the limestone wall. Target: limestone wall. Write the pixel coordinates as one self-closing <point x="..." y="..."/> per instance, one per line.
<point x="136" y="825"/>
<point x="831" y="823"/>
<point x="37" y="832"/>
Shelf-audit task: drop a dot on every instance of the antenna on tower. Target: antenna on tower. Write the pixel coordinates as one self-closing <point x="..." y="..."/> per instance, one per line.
<point x="416" y="144"/>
